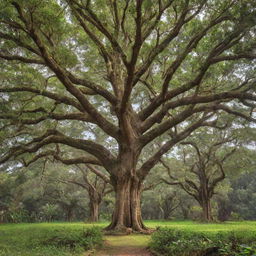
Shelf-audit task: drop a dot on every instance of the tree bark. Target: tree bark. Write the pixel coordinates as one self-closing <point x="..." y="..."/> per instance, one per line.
<point x="94" y="211"/>
<point x="70" y="214"/>
<point x="206" y="208"/>
<point x="127" y="212"/>
<point x="95" y="199"/>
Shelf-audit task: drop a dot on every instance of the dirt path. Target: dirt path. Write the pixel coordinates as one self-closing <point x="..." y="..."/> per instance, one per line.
<point x="124" y="246"/>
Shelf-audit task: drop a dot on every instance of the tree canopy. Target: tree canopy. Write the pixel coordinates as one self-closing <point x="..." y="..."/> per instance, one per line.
<point x="103" y="82"/>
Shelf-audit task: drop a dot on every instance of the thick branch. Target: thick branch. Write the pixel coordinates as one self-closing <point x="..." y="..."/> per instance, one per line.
<point x="58" y="98"/>
<point x="103" y="123"/>
<point x="190" y="46"/>
<point x="22" y="59"/>
<point x="53" y="136"/>
<point x="78" y="160"/>
<point x="89" y="16"/>
<point x="53" y="116"/>
<point x="227" y="43"/>
<point x="152" y="161"/>
<point x="135" y="54"/>
<point x="166" y="125"/>
<point x="160" y="47"/>
<point x="99" y="173"/>
<point x="148" y="123"/>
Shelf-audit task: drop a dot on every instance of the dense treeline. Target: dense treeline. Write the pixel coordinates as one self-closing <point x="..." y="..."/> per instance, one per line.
<point x="50" y="191"/>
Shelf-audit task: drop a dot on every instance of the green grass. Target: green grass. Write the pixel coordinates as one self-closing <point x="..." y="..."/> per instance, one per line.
<point x="26" y="239"/>
<point x="205" y="227"/>
<point x="39" y="239"/>
<point x="189" y="242"/>
<point x="135" y="240"/>
<point x="134" y="244"/>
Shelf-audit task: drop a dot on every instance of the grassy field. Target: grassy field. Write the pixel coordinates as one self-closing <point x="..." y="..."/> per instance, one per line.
<point x="26" y="239"/>
<point x="205" y="227"/>
<point x="33" y="239"/>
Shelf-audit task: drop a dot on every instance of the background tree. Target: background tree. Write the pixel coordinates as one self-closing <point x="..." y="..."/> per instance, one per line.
<point x="27" y="192"/>
<point x="160" y="202"/>
<point x="134" y="71"/>
<point x="243" y="196"/>
<point x="95" y="185"/>
<point x="203" y="169"/>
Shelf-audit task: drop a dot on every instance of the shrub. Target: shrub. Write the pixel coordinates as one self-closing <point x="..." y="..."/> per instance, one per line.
<point x="49" y="211"/>
<point x="79" y="239"/>
<point x="241" y="250"/>
<point x="17" y="216"/>
<point x="186" y="243"/>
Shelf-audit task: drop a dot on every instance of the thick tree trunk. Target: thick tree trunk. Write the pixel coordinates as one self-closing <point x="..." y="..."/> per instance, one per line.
<point x="127" y="213"/>
<point x="185" y="212"/>
<point x="94" y="211"/>
<point x="205" y="199"/>
<point x="167" y="214"/>
<point x="69" y="215"/>
<point x="206" y="207"/>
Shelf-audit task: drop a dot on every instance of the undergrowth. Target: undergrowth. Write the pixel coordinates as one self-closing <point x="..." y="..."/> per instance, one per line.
<point x="174" y="242"/>
<point x="58" y="241"/>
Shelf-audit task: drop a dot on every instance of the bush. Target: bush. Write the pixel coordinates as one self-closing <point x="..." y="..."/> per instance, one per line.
<point x="241" y="250"/>
<point x="80" y="239"/>
<point x="186" y="243"/>
<point x="48" y="239"/>
<point x="17" y="216"/>
<point x="49" y="211"/>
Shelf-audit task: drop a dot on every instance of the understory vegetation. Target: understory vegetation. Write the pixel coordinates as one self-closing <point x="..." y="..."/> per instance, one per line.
<point x="179" y="238"/>
<point x="175" y="242"/>
<point x="48" y="240"/>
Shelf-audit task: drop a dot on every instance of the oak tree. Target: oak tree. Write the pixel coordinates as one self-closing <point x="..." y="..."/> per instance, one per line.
<point x="135" y="72"/>
<point x="203" y="169"/>
<point x="95" y="185"/>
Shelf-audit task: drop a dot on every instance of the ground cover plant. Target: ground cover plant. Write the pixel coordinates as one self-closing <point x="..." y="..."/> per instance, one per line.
<point x="66" y="239"/>
<point x="178" y="242"/>
<point x="48" y="239"/>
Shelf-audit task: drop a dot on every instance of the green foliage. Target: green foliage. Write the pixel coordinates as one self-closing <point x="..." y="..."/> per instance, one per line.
<point x="48" y="239"/>
<point x="246" y="250"/>
<point x="49" y="211"/>
<point x="86" y="239"/>
<point x="187" y="243"/>
<point x="73" y="55"/>
<point x="18" y="215"/>
<point x="243" y="196"/>
<point x="70" y="239"/>
<point x="241" y="250"/>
